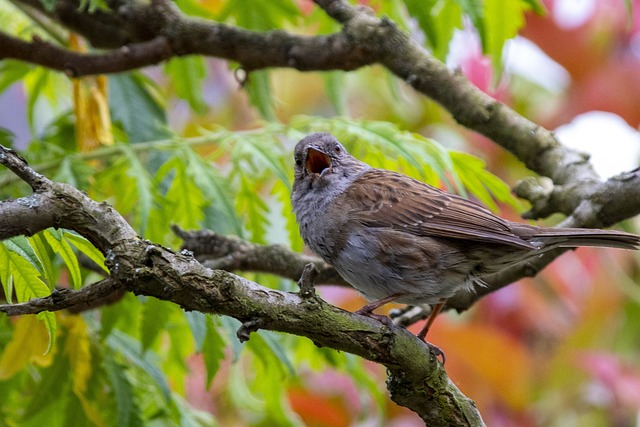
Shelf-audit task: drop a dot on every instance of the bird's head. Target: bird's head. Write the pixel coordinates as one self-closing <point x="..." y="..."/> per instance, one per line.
<point x="320" y="159"/>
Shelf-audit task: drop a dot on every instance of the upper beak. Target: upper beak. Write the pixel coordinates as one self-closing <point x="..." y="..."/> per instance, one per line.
<point x="317" y="160"/>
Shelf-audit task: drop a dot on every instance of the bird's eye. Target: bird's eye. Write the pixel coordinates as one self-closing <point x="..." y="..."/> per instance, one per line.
<point x="337" y="148"/>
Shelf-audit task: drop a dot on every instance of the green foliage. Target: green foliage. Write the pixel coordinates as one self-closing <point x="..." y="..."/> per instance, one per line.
<point x="186" y="76"/>
<point x="247" y="176"/>
<point x="130" y="363"/>
<point x="134" y="107"/>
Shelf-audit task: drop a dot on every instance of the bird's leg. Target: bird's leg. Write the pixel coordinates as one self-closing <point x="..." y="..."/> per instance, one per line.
<point x="367" y="310"/>
<point x="437" y="351"/>
<point x="434" y="313"/>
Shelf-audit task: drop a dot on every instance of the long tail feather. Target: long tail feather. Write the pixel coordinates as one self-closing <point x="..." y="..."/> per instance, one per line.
<point x="575" y="237"/>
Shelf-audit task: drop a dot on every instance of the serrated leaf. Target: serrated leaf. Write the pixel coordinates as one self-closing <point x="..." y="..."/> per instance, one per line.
<point x="12" y="71"/>
<point x="20" y="275"/>
<point x="74" y="172"/>
<point x="132" y="105"/>
<point x="283" y="195"/>
<point x="334" y="87"/>
<point x="254" y="208"/>
<point x="77" y="348"/>
<point x="60" y="246"/>
<point x="438" y="20"/>
<point x="213" y="349"/>
<point x="29" y="344"/>
<point x="263" y="148"/>
<point x="503" y="20"/>
<point x="145" y="187"/>
<point x="85" y="246"/>
<point x="42" y="252"/>
<point x="474" y="9"/>
<point x="481" y="183"/>
<point x="21" y="246"/>
<point x="55" y="383"/>
<point x="122" y="389"/>
<point x="131" y="349"/>
<point x="198" y="324"/>
<point x="46" y="92"/>
<point x="214" y="185"/>
<point x="260" y="15"/>
<point x="187" y="75"/>
<point x="155" y="317"/>
<point x="269" y="351"/>
<point x="258" y="86"/>
<point x="186" y="198"/>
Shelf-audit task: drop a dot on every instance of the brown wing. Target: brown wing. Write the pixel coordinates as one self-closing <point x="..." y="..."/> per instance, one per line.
<point x="388" y="199"/>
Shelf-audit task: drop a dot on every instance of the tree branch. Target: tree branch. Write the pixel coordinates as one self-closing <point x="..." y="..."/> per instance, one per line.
<point x="232" y="253"/>
<point x="75" y="64"/>
<point x="416" y="379"/>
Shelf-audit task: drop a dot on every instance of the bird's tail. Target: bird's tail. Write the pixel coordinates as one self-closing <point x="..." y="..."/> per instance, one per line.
<point x="575" y="237"/>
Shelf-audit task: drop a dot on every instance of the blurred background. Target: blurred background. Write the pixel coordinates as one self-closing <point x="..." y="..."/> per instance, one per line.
<point x="562" y="349"/>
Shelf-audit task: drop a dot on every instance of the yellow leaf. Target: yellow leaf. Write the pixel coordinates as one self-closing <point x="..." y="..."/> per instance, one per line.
<point x="78" y="349"/>
<point x="93" y="120"/>
<point x="28" y="344"/>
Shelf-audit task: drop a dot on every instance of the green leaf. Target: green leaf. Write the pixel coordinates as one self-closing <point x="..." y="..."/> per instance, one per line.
<point x="194" y="8"/>
<point x="74" y="171"/>
<point x="19" y="273"/>
<point x="144" y="185"/>
<point x="185" y="197"/>
<point x="438" y="19"/>
<point x="503" y="20"/>
<point x="475" y="10"/>
<point x="55" y="382"/>
<point x="155" y="316"/>
<point x="539" y="7"/>
<point x="213" y="185"/>
<point x="335" y="88"/>
<point x="21" y="246"/>
<point x="131" y="349"/>
<point x="254" y="208"/>
<point x="49" y="4"/>
<point x="42" y="252"/>
<point x="122" y="389"/>
<point x="212" y="349"/>
<point x="198" y="324"/>
<point x="6" y="137"/>
<point x="132" y="105"/>
<point x="85" y="246"/>
<point x="260" y="15"/>
<point x="12" y="71"/>
<point x="56" y="240"/>
<point x="481" y="183"/>
<point x="187" y="75"/>
<point x="51" y="324"/>
<point x="258" y="87"/>
<point x="48" y="95"/>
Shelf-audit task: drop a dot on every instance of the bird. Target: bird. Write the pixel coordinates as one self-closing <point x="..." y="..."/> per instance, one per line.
<point x="397" y="239"/>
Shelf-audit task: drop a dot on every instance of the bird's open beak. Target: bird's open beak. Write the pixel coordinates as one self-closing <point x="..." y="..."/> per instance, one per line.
<point x="317" y="161"/>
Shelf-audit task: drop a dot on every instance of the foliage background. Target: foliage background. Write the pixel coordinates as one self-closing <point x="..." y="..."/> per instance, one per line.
<point x="184" y="143"/>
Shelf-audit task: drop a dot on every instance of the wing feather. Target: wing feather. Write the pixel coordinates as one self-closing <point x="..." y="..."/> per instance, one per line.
<point x="386" y="199"/>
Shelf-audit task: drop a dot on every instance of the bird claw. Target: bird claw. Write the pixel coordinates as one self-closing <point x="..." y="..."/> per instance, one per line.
<point x="436" y="351"/>
<point x="364" y="311"/>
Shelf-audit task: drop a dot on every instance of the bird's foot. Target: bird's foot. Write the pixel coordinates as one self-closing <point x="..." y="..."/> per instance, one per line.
<point x="436" y="351"/>
<point x="366" y="311"/>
